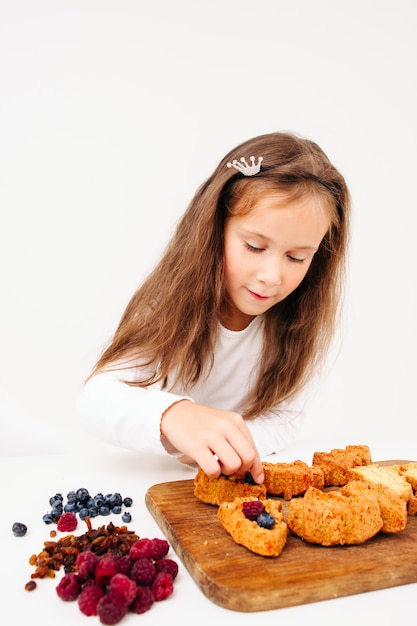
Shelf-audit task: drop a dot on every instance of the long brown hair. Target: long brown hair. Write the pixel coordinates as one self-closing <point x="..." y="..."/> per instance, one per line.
<point x="171" y="322"/>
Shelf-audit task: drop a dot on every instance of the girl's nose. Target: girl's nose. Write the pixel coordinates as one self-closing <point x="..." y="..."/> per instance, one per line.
<point x="269" y="272"/>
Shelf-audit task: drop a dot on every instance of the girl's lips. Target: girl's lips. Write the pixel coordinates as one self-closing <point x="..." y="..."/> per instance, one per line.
<point x="257" y="296"/>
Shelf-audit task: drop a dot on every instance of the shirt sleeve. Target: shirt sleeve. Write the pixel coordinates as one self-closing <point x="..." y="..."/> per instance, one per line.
<point x="129" y="417"/>
<point x="123" y="415"/>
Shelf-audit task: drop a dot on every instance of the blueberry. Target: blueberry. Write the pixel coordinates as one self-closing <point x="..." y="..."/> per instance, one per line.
<point x="19" y="529"/>
<point x="82" y="494"/>
<point x="92" y="511"/>
<point x="265" y="520"/>
<point x="57" y="498"/>
<point x="115" y="500"/>
<point x="83" y="513"/>
<point x="56" y="510"/>
<point x="117" y="509"/>
<point x="98" y="500"/>
<point x="107" y="497"/>
<point x="48" y="518"/>
<point x="249" y="479"/>
<point x="128" y="502"/>
<point x="104" y="510"/>
<point x="126" y="517"/>
<point x="70" y="507"/>
<point x="71" y="497"/>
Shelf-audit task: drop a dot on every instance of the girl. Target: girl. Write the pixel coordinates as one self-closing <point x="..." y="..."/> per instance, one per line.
<point x="214" y="349"/>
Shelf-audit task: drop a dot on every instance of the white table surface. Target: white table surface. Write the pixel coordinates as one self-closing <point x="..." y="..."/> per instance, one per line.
<point x="28" y="482"/>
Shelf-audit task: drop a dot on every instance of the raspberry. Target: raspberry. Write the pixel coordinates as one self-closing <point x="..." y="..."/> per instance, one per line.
<point x="167" y="565"/>
<point x="160" y="548"/>
<point x="90" y="582"/>
<point x="67" y="523"/>
<point x="143" y="571"/>
<point x="124" y="586"/>
<point x="69" y="587"/>
<point x="150" y="548"/>
<point x="253" y="509"/>
<point x="162" y="586"/>
<point x="89" y="597"/>
<point x="106" y="568"/>
<point x="141" y="548"/>
<point x="86" y="563"/>
<point x="124" y="564"/>
<point x="143" y="601"/>
<point x="111" y="608"/>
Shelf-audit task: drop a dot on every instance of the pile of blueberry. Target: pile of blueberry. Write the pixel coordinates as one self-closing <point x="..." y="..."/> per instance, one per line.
<point x="81" y="503"/>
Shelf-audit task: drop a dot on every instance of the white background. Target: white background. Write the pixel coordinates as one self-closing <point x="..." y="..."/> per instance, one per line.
<point x="112" y="112"/>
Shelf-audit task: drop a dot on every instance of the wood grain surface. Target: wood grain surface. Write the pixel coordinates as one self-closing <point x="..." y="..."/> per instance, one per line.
<point x="235" y="578"/>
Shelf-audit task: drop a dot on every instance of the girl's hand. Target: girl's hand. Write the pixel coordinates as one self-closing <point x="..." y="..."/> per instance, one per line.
<point x="218" y="441"/>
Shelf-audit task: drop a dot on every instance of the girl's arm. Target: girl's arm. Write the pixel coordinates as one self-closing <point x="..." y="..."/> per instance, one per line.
<point x="122" y="415"/>
<point x="154" y="421"/>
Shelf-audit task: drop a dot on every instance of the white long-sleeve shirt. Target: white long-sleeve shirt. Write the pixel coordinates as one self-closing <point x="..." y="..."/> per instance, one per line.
<point x="130" y="417"/>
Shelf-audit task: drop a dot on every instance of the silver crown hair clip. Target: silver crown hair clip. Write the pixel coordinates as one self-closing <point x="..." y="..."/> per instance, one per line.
<point x="244" y="168"/>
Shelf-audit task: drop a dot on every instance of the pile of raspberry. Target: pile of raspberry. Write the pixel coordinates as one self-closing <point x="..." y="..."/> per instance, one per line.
<point x="111" y="586"/>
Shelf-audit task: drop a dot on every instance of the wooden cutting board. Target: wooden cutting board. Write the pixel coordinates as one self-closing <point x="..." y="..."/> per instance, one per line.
<point x="237" y="579"/>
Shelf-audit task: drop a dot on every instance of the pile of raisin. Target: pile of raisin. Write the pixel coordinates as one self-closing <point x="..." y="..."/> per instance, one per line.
<point x="62" y="554"/>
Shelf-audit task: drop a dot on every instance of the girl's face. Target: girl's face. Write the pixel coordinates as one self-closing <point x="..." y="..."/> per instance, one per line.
<point x="267" y="253"/>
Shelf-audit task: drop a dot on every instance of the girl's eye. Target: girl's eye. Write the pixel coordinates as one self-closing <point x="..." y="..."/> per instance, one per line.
<point x="253" y="248"/>
<point x="294" y="259"/>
